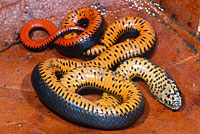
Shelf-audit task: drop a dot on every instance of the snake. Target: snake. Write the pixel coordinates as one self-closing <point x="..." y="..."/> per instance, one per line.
<point x="58" y="82"/>
<point x="86" y="22"/>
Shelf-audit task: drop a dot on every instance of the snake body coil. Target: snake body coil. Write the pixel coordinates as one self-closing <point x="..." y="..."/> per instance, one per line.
<point x="89" y="19"/>
<point x="87" y="34"/>
<point x="69" y="104"/>
<point x="51" y="29"/>
<point x="138" y="28"/>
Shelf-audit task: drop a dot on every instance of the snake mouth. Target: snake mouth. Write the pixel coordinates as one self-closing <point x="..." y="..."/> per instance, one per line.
<point x="176" y="105"/>
<point x="178" y="101"/>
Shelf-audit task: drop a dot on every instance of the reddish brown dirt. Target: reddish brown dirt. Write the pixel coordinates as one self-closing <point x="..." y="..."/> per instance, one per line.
<point x="177" y="50"/>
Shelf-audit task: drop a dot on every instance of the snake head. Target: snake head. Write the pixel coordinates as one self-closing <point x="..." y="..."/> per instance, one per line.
<point x="171" y="95"/>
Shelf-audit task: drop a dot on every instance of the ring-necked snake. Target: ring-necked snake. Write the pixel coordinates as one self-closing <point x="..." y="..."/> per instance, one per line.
<point x="58" y="82"/>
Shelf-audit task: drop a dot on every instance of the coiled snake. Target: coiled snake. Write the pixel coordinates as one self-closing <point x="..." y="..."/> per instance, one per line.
<point x="58" y="82"/>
